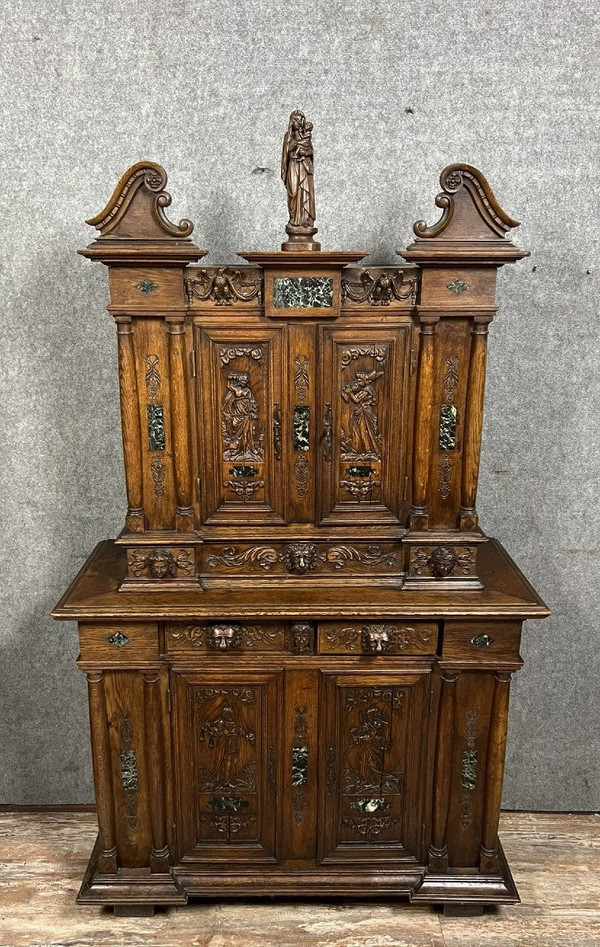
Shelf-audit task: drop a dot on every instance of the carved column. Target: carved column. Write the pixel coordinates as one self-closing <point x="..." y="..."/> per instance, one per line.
<point x="130" y="425"/>
<point x="494" y="774"/>
<point x="153" y="723"/>
<point x="473" y="423"/>
<point x="422" y="440"/>
<point x="107" y="861"/>
<point x="180" y="426"/>
<point x="438" y="852"/>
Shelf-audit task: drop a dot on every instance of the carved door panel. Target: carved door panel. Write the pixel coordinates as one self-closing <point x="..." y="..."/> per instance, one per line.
<point x="373" y="757"/>
<point x="225" y="730"/>
<point x="364" y="404"/>
<point x="240" y="401"/>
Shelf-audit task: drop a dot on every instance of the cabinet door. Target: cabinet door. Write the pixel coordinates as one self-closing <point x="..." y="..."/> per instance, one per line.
<point x="225" y="734"/>
<point x="373" y="760"/>
<point x="364" y="413"/>
<point x="240" y="424"/>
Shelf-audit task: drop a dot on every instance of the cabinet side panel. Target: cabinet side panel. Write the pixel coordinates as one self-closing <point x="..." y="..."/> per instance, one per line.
<point x="152" y="366"/>
<point x="125" y="719"/>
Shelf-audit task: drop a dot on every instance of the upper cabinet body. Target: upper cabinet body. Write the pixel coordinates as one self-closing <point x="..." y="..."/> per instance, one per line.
<point x="302" y="415"/>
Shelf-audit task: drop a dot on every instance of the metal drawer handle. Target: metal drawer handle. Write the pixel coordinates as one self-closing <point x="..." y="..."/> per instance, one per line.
<point x="376" y="638"/>
<point x="224" y="637"/>
<point x="482" y="641"/>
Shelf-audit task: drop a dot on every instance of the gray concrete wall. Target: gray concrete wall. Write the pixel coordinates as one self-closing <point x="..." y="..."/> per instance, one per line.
<point x="396" y="90"/>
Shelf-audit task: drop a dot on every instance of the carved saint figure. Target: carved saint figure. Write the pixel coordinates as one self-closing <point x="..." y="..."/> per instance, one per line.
<point x="297" y="171"/>
<point x="239" y="416"/>
<point x="364" y="439"/>
<point x="227" y="736"/>
<point x="371" y="740"/>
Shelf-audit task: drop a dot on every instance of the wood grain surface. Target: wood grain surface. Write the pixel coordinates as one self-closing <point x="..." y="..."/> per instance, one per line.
<point x="555" y="860"/>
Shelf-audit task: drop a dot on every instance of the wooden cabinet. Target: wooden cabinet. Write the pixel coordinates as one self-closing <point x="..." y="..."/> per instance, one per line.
<point x="299" y="649"/>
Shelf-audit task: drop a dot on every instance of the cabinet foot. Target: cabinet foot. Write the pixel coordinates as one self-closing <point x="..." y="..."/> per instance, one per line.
<point x="134" y="910"/>
<point x="463" y="910"/>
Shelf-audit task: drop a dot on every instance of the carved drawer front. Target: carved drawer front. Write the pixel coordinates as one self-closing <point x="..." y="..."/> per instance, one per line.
<point x="483" y="642"/>
<point x="308" y="559"/>
<point x="377" y="637"/>
<point x="127" y="643"/>
<point x="221" y="637"/>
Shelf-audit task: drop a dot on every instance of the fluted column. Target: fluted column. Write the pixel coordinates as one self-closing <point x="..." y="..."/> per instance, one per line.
<point x="438" y="851"/>
<point x="101" y="762"/>
<point x="153" y="723"/>
<point x="494" y="773"/>
<point x="130" y="426"/>
<point x="180" y="426"/>
<point x="473" y="423"/>
<point x="422" y="441"/>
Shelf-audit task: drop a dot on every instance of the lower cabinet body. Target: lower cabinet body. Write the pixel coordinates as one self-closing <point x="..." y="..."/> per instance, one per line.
<point x="298" y="758"/>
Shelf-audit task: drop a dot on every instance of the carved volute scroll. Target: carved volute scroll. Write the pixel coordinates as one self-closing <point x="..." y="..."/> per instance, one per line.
<point x="472" y="226"/>
<point x="134" y="220"/>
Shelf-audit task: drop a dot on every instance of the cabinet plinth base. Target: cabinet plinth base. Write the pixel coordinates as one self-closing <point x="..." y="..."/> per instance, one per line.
<point x="133" y="889"/>
<point x="136" y="892"/>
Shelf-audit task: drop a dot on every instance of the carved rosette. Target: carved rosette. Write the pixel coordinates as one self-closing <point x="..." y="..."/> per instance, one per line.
<point x="442" y="562"/>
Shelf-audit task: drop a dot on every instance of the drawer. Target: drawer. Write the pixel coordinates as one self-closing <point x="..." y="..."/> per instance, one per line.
<point x="127" y="643"/>
<point x="482" y="641"/>
<point x="220" y="637"/>
<point x="391" y="637"/>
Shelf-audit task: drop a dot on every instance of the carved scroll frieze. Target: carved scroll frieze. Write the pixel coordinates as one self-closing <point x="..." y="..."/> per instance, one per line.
<point x="226" y="355"/>
<point x="224" y="287"/>
<point x="381" y="289"/>
<point x="301" y="558"/>
<point x="376" y="352"/>
<point x="442" y="561"/>
<point x="162" y="562"/>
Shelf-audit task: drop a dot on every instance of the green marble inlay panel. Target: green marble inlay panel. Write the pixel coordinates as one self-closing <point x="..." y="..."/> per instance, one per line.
<point x="129" y="775"/>
<point x="448" y="421"/>
<point x="303" y="292"/>
<point x="156" y="427"/>
<point x="360" y="471"/>
<point x="301" y="427"/>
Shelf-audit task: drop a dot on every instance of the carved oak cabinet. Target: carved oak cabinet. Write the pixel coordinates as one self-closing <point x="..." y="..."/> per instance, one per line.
<point x="299" y="649"/>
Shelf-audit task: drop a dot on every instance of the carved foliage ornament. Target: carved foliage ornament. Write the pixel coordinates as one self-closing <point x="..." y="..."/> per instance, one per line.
<point x="442" y="561"/>
<point x="161" y="563"/>
<point x="301" y="558"/>
<point x="224" y="287"/>
<point x="380" y="290"/>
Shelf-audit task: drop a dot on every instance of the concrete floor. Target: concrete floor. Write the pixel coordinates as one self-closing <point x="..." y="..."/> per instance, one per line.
<point x="555" y="860"/>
